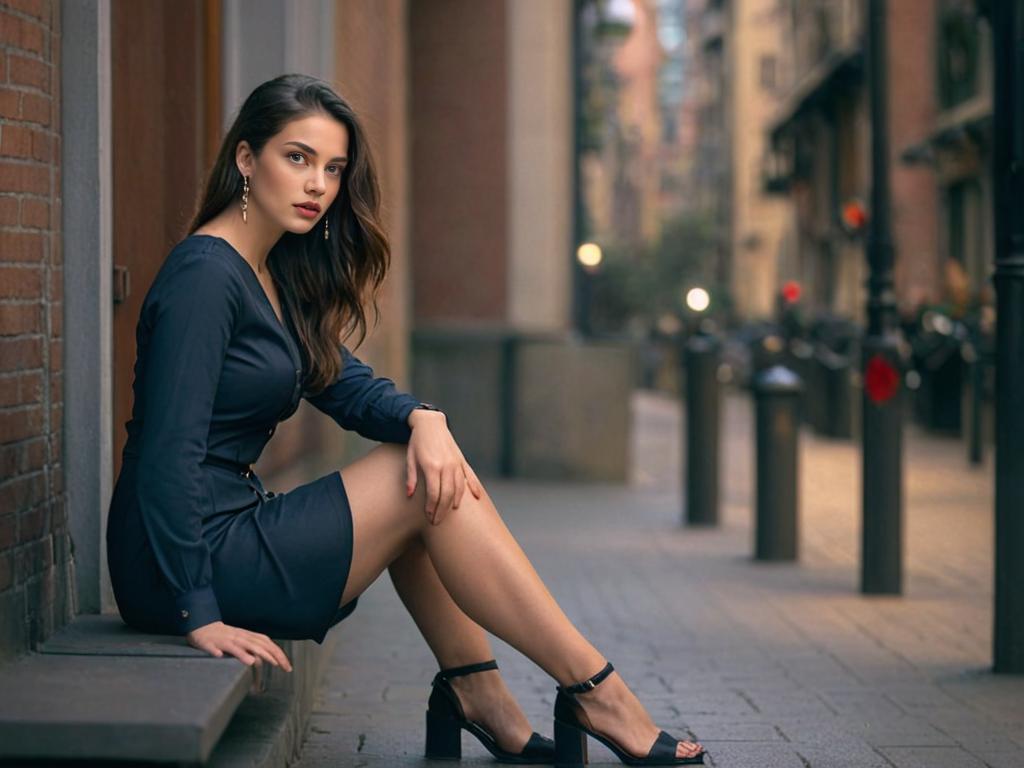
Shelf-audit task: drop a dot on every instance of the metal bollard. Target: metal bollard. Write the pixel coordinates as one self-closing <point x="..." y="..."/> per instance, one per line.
<point x="777" y="391"/>
<point x="702" y="354"/>
<point x="838" y="420"/>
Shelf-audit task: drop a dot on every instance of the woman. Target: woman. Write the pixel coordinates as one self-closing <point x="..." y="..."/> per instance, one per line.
<point x="245" y="318"/>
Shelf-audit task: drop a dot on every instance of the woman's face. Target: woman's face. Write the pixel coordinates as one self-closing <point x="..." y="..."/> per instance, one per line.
<point x="302" y="164"/>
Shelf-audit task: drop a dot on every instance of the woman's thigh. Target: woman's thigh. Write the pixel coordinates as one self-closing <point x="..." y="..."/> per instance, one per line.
<point x="384" y="520"/>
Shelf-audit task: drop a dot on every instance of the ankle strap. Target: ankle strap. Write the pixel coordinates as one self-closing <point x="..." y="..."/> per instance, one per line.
<point x="589" y="684"/>
<point x="483" y="666"/>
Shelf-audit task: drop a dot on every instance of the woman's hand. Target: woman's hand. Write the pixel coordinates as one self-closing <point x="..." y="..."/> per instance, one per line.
<point x="445" y="470"/>
<point x="248" y="647"/>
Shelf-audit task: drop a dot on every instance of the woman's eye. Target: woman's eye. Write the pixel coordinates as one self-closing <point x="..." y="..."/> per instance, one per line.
<point x="295" y="154"/>
<point x="337" y="168"/>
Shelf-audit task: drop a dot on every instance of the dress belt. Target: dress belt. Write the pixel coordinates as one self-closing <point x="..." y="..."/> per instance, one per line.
<point x="245" y="470"/>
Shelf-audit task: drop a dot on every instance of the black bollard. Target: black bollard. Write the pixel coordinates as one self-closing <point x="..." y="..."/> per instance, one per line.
<point x="777" y="391"/>
<point x="702" y="354"/>
<point x="838" y="418"/>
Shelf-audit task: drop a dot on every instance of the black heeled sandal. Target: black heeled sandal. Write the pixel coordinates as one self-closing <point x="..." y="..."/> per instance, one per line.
<point x="446" y="719"/>
<point x="571" y="734"/>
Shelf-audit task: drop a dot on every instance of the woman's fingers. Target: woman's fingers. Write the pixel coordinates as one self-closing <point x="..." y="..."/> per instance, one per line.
<point x="410" y="472"/>
<point x="460" y="487"/>
<point x="272" y="651"/>
<point x="235" y="649"/>
<point x="473" y="481"/>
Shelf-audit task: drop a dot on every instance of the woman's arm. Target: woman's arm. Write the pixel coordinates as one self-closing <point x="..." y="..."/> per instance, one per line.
<point x="192" y="317"/>
<point x="371" y="406"/>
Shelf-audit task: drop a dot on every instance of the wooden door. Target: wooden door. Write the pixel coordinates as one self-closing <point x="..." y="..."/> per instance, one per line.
<point x="165" y="108"/>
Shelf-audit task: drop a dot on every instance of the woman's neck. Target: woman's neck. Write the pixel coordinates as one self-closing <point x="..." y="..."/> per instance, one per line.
<point x="251" y="239"/>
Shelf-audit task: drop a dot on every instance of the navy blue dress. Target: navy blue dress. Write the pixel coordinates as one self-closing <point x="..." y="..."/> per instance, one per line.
<point x="192" y="534"/>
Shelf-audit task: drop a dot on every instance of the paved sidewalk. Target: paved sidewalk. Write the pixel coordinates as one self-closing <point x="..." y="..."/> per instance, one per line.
<point x="767" y="664"/>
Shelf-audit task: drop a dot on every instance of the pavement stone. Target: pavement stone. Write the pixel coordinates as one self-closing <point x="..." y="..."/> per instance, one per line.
<point x="767" y="664"/>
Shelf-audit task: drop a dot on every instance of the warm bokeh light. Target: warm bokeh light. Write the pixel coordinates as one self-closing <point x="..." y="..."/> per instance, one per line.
<point x="698" y="299"/>
<point x="589" y="254"/>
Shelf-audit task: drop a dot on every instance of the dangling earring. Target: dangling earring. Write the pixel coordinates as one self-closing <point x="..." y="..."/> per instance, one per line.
<point x="325" y="227"/>
<point x="245" y="199"/>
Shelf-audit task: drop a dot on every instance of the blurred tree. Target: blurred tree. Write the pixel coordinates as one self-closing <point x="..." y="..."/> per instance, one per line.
<point x="634" y="287"/>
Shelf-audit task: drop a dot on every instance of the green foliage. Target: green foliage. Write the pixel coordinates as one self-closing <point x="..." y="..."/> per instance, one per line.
<point x="641" y="284"/>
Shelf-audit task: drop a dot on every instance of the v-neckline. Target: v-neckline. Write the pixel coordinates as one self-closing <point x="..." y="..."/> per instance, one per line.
<point x="282" y="322"/>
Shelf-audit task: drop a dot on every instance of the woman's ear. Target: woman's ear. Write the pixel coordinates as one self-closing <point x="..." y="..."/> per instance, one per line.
<point x="244" y="158"/>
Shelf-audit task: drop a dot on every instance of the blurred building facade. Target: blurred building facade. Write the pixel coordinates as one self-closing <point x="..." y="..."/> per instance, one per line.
<point x="939" y="115"/>
<point x="760" y="221"/>
<point x="709" y="101"/>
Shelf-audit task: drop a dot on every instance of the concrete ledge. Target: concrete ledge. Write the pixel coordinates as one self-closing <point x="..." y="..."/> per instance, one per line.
<point x="101" y="690"/>
<point x="118" y="707"/>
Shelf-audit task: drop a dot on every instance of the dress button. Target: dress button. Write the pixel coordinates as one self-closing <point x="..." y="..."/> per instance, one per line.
<point x="184" y="614"/>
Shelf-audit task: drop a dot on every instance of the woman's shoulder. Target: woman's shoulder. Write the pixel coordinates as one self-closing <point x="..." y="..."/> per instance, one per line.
<point x="201" y="257"/>
<point x="197" y="267"/>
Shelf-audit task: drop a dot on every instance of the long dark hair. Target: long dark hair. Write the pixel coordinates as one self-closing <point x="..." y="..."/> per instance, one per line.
<point x="325" y="283"/>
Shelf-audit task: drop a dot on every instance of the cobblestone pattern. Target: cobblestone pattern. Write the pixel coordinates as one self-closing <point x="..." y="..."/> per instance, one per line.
<point x="767" y="664"/>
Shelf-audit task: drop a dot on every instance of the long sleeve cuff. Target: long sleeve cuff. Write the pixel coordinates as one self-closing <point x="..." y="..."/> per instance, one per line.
<point x="196" y="609"/>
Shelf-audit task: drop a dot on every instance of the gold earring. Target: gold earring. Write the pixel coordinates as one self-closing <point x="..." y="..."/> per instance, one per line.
<point x="245" y="199"/>
<point x="325" y="227"/>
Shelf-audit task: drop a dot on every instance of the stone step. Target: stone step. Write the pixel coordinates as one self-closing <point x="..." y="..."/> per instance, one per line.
<point x="100" y="690"/>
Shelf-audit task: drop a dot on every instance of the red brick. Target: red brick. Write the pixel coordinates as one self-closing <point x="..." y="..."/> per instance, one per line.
<point x="42" y="146"/>
<point x="15" y="141"/>
<point x="10" y="465"/>
<point x="6" y="570"/>
<point x="17" y="319"/>
<point x="37" y="8"/>
<point x="34" y="455"/>
<point x="22" y="70"/>
<point x="19" y="425"/>
<point x="8" y="210"/>
<point x="21" y="389"/>
<point x="21" y="282"/>
<point x="35" y="213"/>
<point x="35" y="108"/>
<point x="23" y="492"/>
<point x="24" y="177"/>
<point x="56" y="319"/>
<point x="29" y="560"/>
<point x="57" y="353"/>
<point x="21" y="246"/>
<point x="56" y="413"/>
<point x="54" y="282"/>
<point x="32" y="524"/>
<point x="8" y="529"/>
<point x="22" y="33"/>
<point x="56" y="479"/>
<point x="10" y="103"/>
<point x="3" y="67"/>
<point x="21" y="353"/>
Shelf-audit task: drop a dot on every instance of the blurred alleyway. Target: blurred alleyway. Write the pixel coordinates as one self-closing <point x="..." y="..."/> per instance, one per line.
<point x="765" y="664"/>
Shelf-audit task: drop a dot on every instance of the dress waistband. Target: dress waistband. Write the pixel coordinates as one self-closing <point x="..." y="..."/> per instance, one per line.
<point x="243" y="469"/>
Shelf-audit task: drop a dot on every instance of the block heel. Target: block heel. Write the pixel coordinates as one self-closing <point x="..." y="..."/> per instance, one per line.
<point x="446" y="719"/>
<point x="571" y="734"/>
<point x="570" y="746"/>
<point x="444" y="737"/>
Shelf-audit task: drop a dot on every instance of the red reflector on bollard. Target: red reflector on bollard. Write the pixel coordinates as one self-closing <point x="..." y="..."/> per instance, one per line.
<point x="881" y="380"/>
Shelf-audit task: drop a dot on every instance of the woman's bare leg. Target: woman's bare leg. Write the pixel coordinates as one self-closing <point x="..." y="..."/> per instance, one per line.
<point x="489" y="577"/>
<point x="456" y="640"/>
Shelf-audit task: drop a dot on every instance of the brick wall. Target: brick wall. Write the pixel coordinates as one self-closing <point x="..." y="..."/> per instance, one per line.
<point x="36" y="590"/>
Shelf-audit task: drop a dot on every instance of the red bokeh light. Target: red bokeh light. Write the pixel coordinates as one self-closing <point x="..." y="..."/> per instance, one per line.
<point x="791" y="291"/>
<point x="855" y="216"/>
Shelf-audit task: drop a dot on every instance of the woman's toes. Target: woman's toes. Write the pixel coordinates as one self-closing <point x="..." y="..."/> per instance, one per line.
<point x="688" y="749"/>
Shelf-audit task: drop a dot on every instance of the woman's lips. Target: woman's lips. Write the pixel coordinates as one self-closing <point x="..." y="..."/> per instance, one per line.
<point x="307" y="213"/>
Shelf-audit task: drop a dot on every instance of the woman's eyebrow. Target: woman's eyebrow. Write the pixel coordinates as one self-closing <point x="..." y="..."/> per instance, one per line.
<point x="313" y="151"/>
